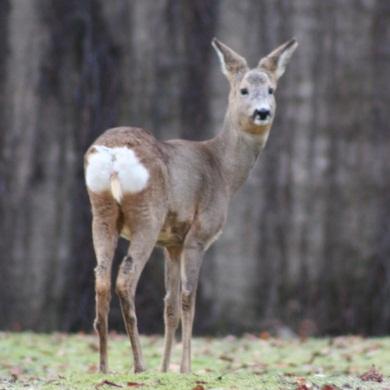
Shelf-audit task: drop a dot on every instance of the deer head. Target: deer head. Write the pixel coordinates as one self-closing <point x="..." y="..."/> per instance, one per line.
<point x="251" y="100"/>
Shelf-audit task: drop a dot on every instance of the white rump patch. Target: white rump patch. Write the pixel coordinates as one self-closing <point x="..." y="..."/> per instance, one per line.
<point x="132" y="175"/>
<point x="99" y="171"/>
<point x="115" y="169"/>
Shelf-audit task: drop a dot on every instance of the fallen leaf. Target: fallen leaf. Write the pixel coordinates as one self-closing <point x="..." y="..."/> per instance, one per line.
<point x="264" y="335"/>
<point x="303" y="387"/>
<point x="302" y="384"/>
<point x="91" y="368"/>
<point x="134" y="384"/>
<point x="204" y="371"/>
<point x="372" y="375"/>
<point x="226" y="358"/>
<point x="198" y="387"/>
<point x="329" y="387"/>
<point x="106" y="383"/>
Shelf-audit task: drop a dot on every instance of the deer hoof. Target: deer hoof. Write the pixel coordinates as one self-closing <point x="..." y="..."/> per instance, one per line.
<point x="139" y="369"/>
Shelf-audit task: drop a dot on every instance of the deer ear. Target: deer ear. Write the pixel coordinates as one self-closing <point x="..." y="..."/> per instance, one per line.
<point x="232" y="63"/>
<point x="277" y="60"/>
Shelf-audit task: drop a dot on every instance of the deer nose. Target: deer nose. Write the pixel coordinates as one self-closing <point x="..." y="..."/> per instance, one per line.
<point x="263" y="113"/>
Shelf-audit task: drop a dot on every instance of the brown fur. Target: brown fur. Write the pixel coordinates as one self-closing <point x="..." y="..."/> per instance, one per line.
<point x="183" y="208"/>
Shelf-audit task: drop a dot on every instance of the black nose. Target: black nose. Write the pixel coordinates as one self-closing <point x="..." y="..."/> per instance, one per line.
<point x="262" y="113"/>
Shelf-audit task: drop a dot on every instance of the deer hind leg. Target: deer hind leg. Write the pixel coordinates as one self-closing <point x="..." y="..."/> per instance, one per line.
<point x="141" y="246"/>
<point x="105" y="237"/>
<point x="171" y="302"/>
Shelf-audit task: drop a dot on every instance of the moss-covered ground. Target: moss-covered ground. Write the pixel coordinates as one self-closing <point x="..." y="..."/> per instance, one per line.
<point x="60" y="361"/>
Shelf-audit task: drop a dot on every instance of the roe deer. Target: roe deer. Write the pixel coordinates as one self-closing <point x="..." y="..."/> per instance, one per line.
<point x="174" y="194"/>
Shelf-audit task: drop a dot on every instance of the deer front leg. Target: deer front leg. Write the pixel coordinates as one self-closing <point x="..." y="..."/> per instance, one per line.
<point x="171" y="302"/>
<point x="190" y="266"/>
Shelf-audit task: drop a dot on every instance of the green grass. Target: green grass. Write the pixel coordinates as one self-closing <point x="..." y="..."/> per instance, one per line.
<point x="59" y="361"/>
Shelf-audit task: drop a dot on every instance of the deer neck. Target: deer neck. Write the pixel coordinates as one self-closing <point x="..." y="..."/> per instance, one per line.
<point x="237" y="151"/>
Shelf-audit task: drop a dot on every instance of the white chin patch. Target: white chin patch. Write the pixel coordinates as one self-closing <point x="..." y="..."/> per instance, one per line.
<point x="115" y="169"/>
<point x="260" y="122"/>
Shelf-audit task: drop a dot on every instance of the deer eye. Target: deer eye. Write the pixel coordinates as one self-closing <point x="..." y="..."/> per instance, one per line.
<point x="244" y="91"/>
<point x="270" y="91"/>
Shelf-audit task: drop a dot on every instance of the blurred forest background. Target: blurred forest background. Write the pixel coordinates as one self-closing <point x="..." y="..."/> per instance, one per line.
<point x="307" y="243"/>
